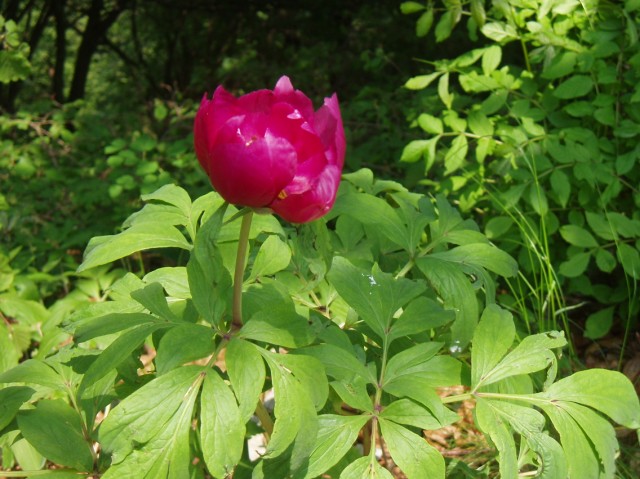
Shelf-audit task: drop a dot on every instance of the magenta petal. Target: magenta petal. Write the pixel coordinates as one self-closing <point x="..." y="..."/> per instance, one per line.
<point x="252" y="174"/>
<point x="312" y="204"/>
<point x="284" y="92"/>
<point x="330" y="129"/>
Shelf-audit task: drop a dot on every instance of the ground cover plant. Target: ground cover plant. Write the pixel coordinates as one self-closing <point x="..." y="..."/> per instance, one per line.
<point x="296" y="322"/>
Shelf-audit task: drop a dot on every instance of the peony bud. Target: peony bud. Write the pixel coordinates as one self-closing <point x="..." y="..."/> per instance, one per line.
<point x="269" y="149"/>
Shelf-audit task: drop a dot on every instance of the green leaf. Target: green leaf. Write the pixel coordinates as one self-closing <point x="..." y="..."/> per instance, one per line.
<point x="336" y="435"/>
<point x="95" y="327"/>
<point x="411" y="452"/>
<point x="578" y="236"/>
<point x="173" y="279"/>
<point x="609" y="392"/>
<point x="430" y="124"/>
<point x="629" y="259"/>
<point x="209" y="280"/>
<point x="354" y="393"/>
<point x="274" y="255"/>
<point x="33" y="371"/>
<point x="117" y="352"/>
<point x="420" y="315"/>
<point x="148" y="432"/>
<point x="424" y="23"/>
<point x="379" y="214"/>
<point x="11" y="400"/>
<point x="561" y="65"/>
<point x="483" y="255"/>
<point x="605" y="260"/>
<point x="281" y="326"/>
<point x="574" y="87"/>
<point x="405" y="411"/>
<point x="411" y="7"/>
<point x="457" y="292"/>
<point x="106" y="249"/>
<point x="55" y="430"/>
<point x="499" y="32"/>
<point x="221" y="429"/>
<point x="421" y="82"/>
<point x="416" y="367"/>
<point x="491" y="59"/>
<point x="588" y="439"/>
<point x="365" y="468"/>
<point x="456" y="155"/>
<point x="443" y="85"/>
<point x="492" y="424"/>
<point x="247" y="373"/>
<point x="339" y="364"/>
<point x="561" y="186"/>
<point x="575" y="265"/>
<point x="538" y="199"/>
<point x="183" y="343"/>
<point x="152" y="297"/>
<point x="581" y="460"/>
<point x="445" y="26"/>
<point x="375" y="296"/>
<point x="599" y="323"/>
<point x="296" y="425"/>
<point x="531" y="355"/>
<point x="492" y="339"/>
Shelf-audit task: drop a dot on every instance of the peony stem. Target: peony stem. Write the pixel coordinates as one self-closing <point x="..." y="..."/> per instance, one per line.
<point x="238" y="277"/>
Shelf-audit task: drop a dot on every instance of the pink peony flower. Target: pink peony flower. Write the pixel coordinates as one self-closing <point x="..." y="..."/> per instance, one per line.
<point x="270" y="149"/>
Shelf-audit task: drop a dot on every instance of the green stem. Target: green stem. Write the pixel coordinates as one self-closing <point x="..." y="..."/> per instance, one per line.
<point x="265" y="420"/>
<point x="238" y="277"/>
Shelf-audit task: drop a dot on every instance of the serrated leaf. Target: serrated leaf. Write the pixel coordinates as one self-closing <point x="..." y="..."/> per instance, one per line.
<point x="411" y="452"/>
<point x="336" y="435"/>
<point x="492" y="339"/>
<point x="578" y="236"/>
<point x="221" y="429"/>
<point x="106" y="249"/>
<point x="247" y="373"/>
